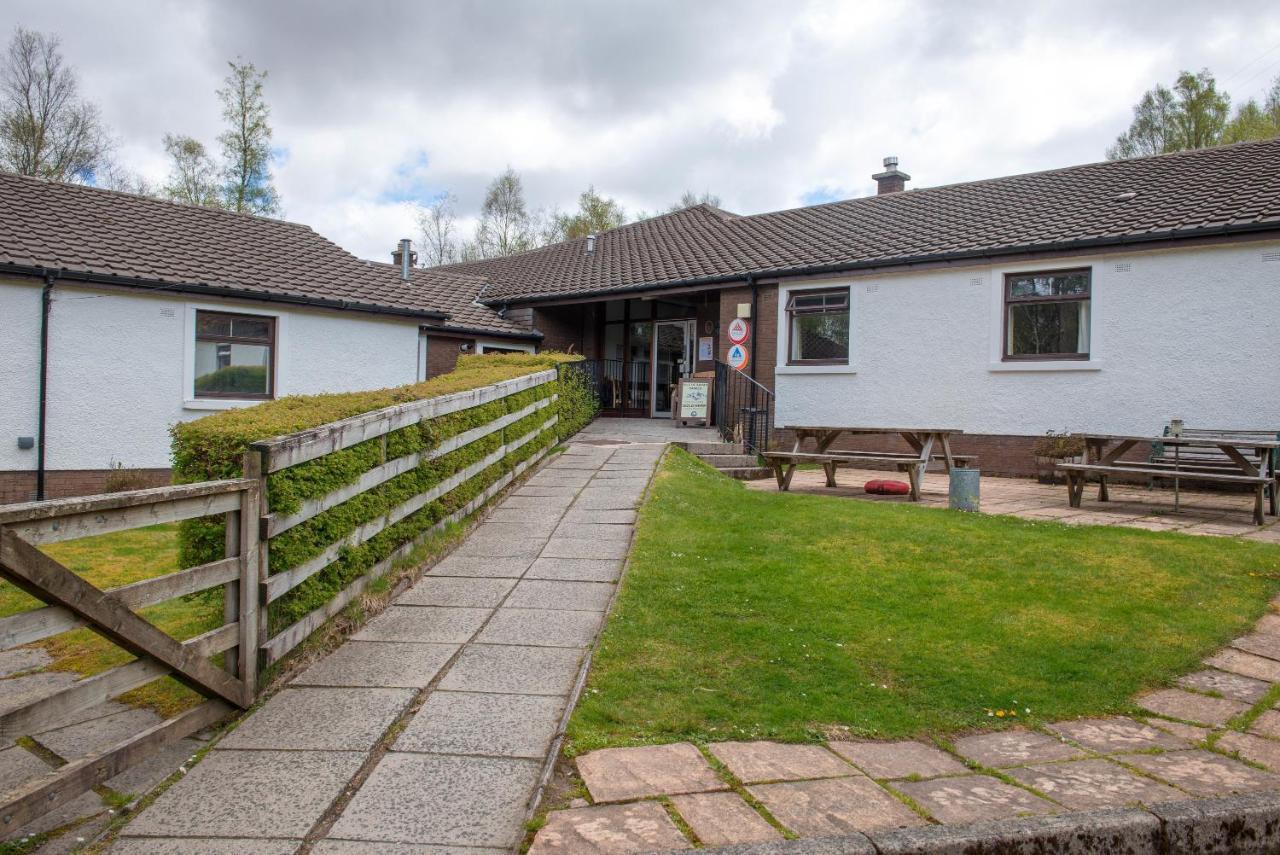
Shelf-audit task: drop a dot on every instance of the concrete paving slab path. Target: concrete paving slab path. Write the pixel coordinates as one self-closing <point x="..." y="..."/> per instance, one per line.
<point x="428" y="731"/>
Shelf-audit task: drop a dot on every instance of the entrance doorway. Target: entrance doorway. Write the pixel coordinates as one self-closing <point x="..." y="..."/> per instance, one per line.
<point x="673" y="353"/>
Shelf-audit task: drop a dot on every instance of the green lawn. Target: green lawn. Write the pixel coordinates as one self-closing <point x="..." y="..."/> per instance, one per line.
<point x="751" y="614"/>
<point x="109" y="561"/>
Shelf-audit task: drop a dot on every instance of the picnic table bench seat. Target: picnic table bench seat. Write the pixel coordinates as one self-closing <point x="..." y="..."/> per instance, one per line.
<point x="914" y="464"/>
<point x="1076" y="474"/>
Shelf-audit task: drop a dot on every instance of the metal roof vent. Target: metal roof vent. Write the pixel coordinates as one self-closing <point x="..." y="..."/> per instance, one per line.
<point x="1125" y="197"/>
<point x="405" y="258"/>
<point x="591" y="244"/>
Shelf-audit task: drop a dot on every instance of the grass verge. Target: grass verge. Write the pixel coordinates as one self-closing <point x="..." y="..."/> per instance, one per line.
<point x="109" y="561"/>
<point x="758" y="615"/>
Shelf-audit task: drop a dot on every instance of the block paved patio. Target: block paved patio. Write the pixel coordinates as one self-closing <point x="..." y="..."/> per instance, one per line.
<point x="1216" y="734"/>
<point x="1223" y="513"/>
<point x="429" y="729"/>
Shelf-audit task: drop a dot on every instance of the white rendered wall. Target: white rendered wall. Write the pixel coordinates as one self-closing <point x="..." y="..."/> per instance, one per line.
<point x="120" y="368"/>
<point x="1185" y="334"/>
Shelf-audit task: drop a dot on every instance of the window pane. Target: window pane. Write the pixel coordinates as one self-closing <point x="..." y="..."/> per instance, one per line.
<point x="614" y="310"/>
<point x="1048" y="328"/>
<point x="638" y="309"/>
<point x="251" y="327"/>
<point x="232" y="369"/>
<point x="820" y="336"/>
<point x="210" y="325"/>
<point x="1050" y="285"/>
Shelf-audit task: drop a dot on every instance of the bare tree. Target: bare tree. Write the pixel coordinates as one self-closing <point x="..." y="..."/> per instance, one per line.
<point x="438" y="223"/>
<point x="246" y="144"/>
<point x="193" y="177"/>
<point x="46" y="129"/>
<point x="505" y="226"/>
<point x="112" y="176"/>
<point x="690" y="199"/>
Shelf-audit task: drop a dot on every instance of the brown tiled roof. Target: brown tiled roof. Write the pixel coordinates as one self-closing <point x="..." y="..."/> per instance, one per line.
<point x="1231" y="189"/>
<point x="455" y="294"/>
<point x="103" y="235"/>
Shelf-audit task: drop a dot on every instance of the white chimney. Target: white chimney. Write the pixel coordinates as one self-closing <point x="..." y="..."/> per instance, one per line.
<point x="591" y="244"/>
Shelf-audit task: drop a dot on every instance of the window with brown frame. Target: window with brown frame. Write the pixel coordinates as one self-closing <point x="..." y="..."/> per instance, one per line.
<point x="1047" y="314"/>
<point x="818" y="327"/>
<point x="235" y="356"/>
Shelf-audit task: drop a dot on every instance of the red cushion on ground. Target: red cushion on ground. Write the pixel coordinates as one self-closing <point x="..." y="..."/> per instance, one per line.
<point x="887" y="488"/>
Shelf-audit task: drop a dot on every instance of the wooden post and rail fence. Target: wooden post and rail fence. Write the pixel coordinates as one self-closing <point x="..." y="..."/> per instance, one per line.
<point x="70" y="602"/>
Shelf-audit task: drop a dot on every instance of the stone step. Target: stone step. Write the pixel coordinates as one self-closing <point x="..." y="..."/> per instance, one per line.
<point x="747" y="473"/>
<point x="728" y="461"/>
<point x="712" y="447"/>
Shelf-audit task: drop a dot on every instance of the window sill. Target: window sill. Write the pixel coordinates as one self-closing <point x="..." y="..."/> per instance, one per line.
<point x="1046" y="365"/>
<point x="815" y="369"/>
<point x="221" y="403"/>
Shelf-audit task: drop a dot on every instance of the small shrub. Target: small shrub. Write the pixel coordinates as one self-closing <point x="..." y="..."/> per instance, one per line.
<point x="121" y="478"/>
<point x="1058" y="446"/>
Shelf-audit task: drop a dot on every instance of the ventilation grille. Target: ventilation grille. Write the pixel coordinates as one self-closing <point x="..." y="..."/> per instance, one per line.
<point x="871" y="289"/>
<point x="977" y="280"/>
<point x="1271" y="255"/>
<point x="166" y="313"/>
<point x="1123" y="267"/>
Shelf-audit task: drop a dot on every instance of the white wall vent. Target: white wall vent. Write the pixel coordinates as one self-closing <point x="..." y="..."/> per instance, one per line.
<point x="871" y="289"/>
<point x="1123" y="267"/>
<point x="1271" y="255"/>
<point x="977" y="280"/>
<point x="167" y="313"/>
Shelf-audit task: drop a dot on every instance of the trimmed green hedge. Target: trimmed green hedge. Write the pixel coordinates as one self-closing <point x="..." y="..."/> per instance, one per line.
<point x="213" y="447"/>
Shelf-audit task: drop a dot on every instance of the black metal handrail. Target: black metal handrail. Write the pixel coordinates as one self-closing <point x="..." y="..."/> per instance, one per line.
<point x="742" y="408"/>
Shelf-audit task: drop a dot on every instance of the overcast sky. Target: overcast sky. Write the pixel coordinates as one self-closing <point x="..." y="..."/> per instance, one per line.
<point x="770" y="104"/>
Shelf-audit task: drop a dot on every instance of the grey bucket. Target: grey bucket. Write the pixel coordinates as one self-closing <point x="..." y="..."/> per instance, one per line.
<point x="964" y="489"/>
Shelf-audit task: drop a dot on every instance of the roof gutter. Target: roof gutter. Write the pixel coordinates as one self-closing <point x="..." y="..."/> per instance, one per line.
<point x="1170" y="236"/>
<point x="222" y="291"/>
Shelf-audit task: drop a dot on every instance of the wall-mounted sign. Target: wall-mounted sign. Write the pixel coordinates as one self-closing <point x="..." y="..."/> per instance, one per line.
<point x="739" y="331"/>
<point x="693" y="401"/>
<point x="706" y="349"/>
<point x="738" y="357"/>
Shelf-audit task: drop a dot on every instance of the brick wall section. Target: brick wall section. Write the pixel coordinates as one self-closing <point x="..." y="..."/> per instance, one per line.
<point x="443" y="352"/>
<point x="709" y="312"/>
<point x="64" y="483"/>
<point x="764" y="329"/>
<point x="561" y="327"/>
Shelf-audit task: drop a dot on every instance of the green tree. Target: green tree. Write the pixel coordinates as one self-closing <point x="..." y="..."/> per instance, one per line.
<point x="193" y="176"/>
<point x="595" y="214"/>
<point x="246" y="144"/>
<point x="46" y="128"/>
<point x="1193" y="114"/>
<point x="1254" y="122"/>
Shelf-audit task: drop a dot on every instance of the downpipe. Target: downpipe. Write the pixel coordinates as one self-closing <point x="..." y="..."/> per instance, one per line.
<point x="46" y="306"/>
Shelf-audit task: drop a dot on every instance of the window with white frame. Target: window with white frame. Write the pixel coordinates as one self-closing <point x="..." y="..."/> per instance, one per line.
<point x="1047" y="314"/>
<point x="818" y="327"/>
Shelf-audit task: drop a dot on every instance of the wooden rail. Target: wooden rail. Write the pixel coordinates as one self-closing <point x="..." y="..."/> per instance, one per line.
<point x="72" y="602"/>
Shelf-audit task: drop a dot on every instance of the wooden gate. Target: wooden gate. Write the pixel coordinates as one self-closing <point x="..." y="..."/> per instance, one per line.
<point x="72" y="602"/>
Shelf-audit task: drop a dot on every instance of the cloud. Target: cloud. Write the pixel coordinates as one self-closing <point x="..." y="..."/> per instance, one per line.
<point x="379" y="105"/>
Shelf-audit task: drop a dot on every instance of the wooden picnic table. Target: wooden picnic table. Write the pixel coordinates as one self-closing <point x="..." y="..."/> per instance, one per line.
<point x="922" y="441"/>
<point x="1244" y="460"/>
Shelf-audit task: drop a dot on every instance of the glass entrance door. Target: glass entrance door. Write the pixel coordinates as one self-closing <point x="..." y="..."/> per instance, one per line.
<point x="673" y="349"/>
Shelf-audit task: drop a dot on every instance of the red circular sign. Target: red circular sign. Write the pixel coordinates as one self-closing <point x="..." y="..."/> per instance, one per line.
<point x="739" y="330"/>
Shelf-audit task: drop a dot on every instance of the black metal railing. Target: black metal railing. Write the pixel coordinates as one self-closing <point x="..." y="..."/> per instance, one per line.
<point x="622" y="387"/>
<point x="742" y="409"/>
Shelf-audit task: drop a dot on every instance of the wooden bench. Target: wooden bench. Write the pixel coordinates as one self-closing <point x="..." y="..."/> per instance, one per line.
<point x="832" y="460"/>
<point x="1077" y="474"/>
<point x="1206" y="458"/>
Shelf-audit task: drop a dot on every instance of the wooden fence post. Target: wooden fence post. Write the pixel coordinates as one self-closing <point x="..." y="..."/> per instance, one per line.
<point x="231" y="591"/>
<point x="253" y="570"/>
